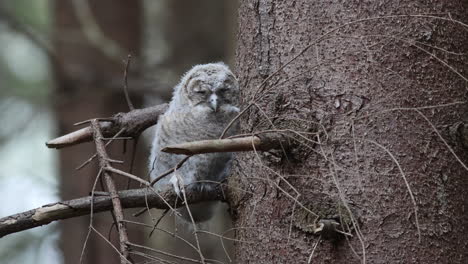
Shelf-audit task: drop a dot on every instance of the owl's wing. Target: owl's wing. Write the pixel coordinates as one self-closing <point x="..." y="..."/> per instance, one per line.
<point x="164" y="135"/>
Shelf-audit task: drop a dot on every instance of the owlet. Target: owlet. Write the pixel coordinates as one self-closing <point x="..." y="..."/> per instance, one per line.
<point x="203" y="104"/>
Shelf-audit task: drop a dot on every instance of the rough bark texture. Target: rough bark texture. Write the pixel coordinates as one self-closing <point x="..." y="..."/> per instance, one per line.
<point x="367" y="69"/>
<point x="81" y="95"/>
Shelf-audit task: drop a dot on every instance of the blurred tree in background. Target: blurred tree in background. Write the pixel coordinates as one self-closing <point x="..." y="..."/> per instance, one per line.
<point x="91" y="40"/>
<point x="27" y="169"/>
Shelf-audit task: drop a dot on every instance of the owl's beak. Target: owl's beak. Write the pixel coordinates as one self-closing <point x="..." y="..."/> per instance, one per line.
<point x="214" y="102"/>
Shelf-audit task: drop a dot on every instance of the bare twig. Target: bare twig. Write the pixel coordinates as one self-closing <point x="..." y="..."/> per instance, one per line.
<point x="231" y="123"/>
<point x="333" y="172"/>
<point x="153" y="182"/>
<point x="88" y="121"/>
<point x="116" y="203"/>
<point x="403" y="176"/>
<point x="127" y="96"/>
<point x="128" y="175"/>
<point x="194" y="225"/>
<point x="95" y="155"/>
<point x="313" y="250"/>
<point x="158" y="221"/>
<point x="165" y="253"/>
<point x="91" y="215"/>
<point x="174" y="235"/>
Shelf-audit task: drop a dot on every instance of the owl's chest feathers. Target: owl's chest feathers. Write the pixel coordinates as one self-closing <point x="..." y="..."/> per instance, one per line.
<point x="180" y="127"/>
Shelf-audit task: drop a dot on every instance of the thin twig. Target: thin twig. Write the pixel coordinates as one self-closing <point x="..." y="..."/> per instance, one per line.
<point x="110" y="244"/>
<point x="117" y="138"/>
<point x="127" y="96"/>
<point x="128" y="175"/>
<point x="333" y="169"/>
<point x="313" y="250"/>
<point x="100" y="119"/>
<point x="231" y="123"/>
<point x="442" y="139"/>
<point x="91" y="215"/>
<point x="153" y="182"/>
<point x="158" y="221"/>
<point x="194" y="225"/>
<point x="117" y="205"/>
<point x="403" y="176"/>
<point x="95" y="154"/>
<point x="132" y="160"/>
<point x="166" y="232"/>
<point x="165" y="253"/>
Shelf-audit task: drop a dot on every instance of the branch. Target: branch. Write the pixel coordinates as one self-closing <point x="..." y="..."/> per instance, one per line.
<point x="264" y="142"/>
<point x="116" y="203"/>
<point x="132" y="123"/>
<point x="135" y="198"/>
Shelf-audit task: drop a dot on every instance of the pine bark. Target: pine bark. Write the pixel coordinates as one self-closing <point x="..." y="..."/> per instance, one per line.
<point x="377" y="100"/>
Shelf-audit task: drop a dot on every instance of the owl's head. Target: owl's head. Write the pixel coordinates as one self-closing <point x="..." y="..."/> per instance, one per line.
<point x="210" y="87"/>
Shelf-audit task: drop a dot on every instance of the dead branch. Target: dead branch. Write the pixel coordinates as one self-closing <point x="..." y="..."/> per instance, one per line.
<point x="132" y="123"/>
<point x="127" y="96"/>
<point x="262" y="142"/>
<point x="110" y="184"/>
<point x="135" y="198"/>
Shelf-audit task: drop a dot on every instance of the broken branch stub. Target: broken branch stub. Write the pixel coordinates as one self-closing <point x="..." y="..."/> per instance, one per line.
<point x="262" y="142"/>
<point x="132" y="123"/>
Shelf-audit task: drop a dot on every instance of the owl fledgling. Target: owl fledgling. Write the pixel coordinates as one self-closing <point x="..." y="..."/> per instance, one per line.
<point x="203" y="104"/>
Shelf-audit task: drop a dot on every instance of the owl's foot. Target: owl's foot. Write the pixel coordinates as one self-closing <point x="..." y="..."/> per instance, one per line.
<point x="175" y="183"/>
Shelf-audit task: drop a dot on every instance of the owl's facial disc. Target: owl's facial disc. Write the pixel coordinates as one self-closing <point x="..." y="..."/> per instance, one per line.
<point x="212" y="91"/>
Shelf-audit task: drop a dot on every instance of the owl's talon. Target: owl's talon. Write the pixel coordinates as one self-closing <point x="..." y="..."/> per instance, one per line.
<point x="175" y="184"/>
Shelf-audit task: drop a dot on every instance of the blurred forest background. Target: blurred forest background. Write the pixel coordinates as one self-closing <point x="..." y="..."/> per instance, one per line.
<point x="62" y="62"/>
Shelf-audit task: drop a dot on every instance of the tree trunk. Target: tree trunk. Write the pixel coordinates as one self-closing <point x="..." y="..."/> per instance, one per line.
<point x="83" y="92"/>
<point x="370" y="123"/>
